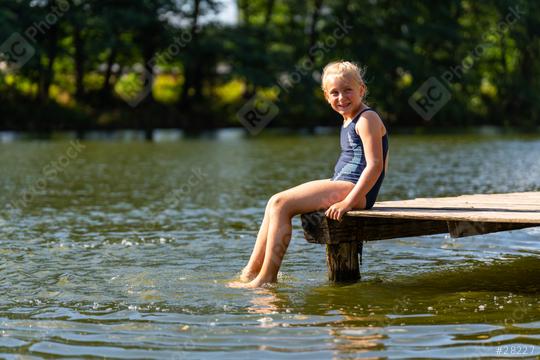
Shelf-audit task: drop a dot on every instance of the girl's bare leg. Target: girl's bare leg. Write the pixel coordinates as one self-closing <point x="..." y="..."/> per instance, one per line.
<point x="282" y="207"/>
<point x="280" y="232"/>
<point x="251" y="270"/>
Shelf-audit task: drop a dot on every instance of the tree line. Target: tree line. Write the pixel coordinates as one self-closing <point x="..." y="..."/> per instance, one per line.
<point x="145" y="64"/>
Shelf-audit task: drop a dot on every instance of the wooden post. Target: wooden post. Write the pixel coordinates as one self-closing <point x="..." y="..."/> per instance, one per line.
<point x="343" y="246"/>
<point x="342" y="261"/>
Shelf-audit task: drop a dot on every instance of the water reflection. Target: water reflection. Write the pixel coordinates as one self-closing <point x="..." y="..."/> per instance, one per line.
<point x="266" y="301"/>
<point x="357" y="341"/>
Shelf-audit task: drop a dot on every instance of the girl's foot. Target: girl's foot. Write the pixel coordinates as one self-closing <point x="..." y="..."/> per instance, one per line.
<point x="239" y="285"/>
<point x="255" y="283"/>
<point x="243" y="285"/>
<point x="248" y="275"/>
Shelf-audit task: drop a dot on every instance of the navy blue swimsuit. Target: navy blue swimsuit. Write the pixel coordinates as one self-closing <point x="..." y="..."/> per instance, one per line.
<point x="352" y="160"/>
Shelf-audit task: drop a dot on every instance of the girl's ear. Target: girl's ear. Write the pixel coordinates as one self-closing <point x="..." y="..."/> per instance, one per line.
<point x="326" y="96"/>
<point x="363" y="89"/>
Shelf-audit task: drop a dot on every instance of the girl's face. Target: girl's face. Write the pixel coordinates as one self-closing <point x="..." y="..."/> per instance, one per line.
<point x="344" y="95"/>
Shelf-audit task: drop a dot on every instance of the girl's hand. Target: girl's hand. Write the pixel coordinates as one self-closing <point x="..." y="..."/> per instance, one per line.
<point x="337" y="210"/>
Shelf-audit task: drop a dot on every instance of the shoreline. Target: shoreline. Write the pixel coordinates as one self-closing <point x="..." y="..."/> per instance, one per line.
<point x="173" y="134"/>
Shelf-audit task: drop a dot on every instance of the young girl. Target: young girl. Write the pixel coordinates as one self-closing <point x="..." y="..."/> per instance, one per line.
<point x="358" y="175"/>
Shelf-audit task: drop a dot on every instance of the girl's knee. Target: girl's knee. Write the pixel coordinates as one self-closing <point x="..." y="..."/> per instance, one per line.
<point x="277" y="200"/>
<point x="278" y="203"/>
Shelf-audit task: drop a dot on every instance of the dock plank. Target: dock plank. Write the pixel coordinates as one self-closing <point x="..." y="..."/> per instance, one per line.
<point x="508" y="208"/>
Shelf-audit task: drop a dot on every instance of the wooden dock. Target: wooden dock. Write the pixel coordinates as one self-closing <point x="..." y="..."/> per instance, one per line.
<point x="459" y="216"/>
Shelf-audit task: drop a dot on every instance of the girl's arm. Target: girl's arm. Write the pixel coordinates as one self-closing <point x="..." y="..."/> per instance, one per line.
<point x="369" y="131"/>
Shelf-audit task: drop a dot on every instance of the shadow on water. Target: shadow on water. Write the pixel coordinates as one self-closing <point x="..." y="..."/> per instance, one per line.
<point x="477" y="311"/>
<point x="519" y="274"/>
<point x="461" y="295"/>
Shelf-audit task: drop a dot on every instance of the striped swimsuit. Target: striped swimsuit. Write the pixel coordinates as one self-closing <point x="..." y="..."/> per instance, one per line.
<point x="352" y="160"/>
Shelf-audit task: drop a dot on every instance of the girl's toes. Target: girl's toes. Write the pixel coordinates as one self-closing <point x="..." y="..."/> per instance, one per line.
<point x="237" y="284"/>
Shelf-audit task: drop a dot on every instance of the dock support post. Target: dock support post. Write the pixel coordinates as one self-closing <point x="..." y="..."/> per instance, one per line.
<point x="343" y="261"/>
<point x="343" y="246"/>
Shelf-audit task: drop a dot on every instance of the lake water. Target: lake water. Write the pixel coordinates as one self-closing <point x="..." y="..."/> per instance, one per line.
<point x="124" y="249"/>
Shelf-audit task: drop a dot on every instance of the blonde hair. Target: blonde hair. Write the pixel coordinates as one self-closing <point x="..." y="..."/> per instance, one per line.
<point x="344" y="68"/>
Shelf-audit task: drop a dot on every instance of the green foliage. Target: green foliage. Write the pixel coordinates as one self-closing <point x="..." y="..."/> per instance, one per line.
<point x="100" y="52"/>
